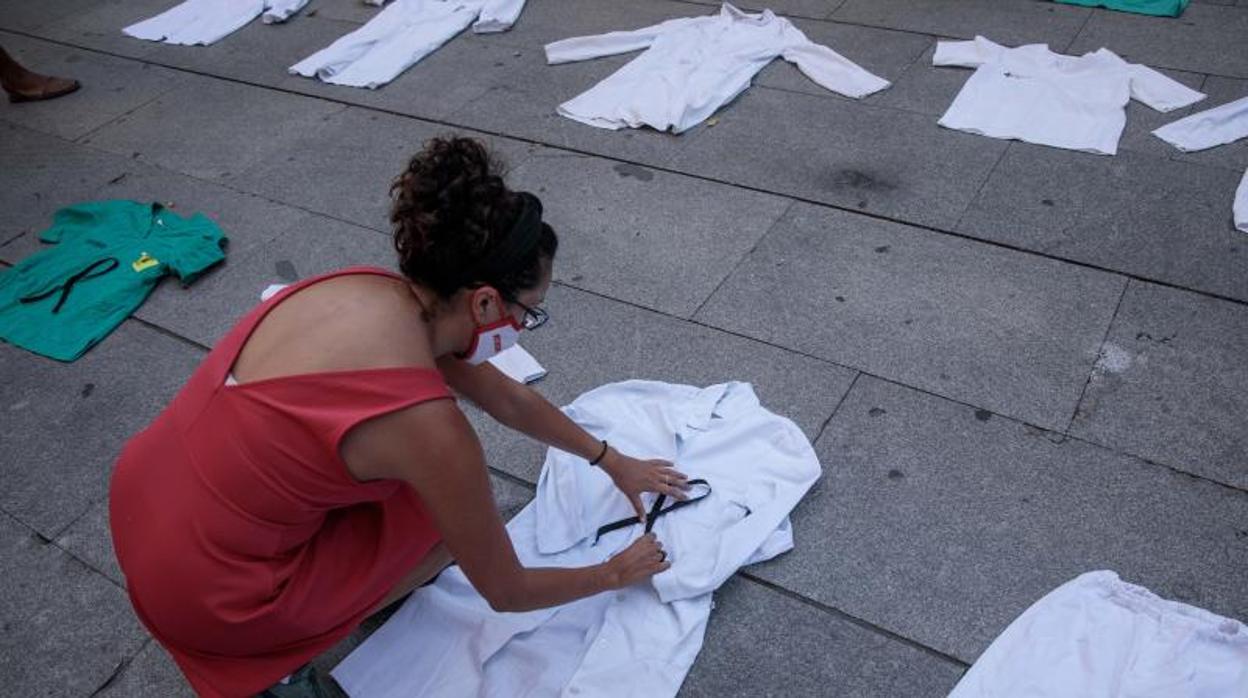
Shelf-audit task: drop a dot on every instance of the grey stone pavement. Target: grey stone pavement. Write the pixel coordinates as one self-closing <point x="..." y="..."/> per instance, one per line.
<point x="1017" y="363"/>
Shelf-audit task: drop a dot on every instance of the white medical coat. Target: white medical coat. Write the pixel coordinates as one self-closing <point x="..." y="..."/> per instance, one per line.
<point x="400" y="36"/>
<point x="695" y="65"/>
<point x="204" y="22"/>
<point x="1032" y="94"/>
<point x="640" y="641"/>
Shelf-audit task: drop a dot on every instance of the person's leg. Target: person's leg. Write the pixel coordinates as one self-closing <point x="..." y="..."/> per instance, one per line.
<point x="306" y="682"/>
<point x="23" y="85"/>
<point x="429" y="567"/>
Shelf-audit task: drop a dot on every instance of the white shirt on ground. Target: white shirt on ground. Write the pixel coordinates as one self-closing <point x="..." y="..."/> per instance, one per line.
<point x="694" y="65"/>
<point x="640" y="641"/>
<point x="1209" y="128"/>
<point x="1032" y="94"/>
<point x="204" y="22"/>
<point x="400" y="36"/>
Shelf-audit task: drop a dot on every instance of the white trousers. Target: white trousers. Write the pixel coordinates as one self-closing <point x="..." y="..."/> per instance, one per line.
<point x="1100" y="637"/>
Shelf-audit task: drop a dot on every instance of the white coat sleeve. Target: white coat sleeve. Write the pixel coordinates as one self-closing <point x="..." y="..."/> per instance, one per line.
<point x="828" y="68"/>
<point x="580" y="48"/>
<point x="281" y="10"/>
<point x="498" y="16"/>
<point x="966" y="54"/>
<point x="1209" y="128"/>
<point x="1158" y="91"/>
<point x="1241" y="204"/>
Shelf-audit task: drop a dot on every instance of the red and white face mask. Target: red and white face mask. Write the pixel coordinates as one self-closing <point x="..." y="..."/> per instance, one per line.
<point x="489" y="340"/>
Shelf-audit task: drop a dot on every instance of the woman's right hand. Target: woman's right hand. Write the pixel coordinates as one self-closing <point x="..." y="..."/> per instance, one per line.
<point x="641" y="560"/>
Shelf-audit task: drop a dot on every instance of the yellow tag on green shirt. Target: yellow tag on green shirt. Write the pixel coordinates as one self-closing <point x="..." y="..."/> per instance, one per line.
<point x="145" y="261"/>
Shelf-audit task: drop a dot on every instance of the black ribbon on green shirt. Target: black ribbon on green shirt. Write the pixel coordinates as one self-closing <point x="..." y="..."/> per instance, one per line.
<point x="91" y="271"/>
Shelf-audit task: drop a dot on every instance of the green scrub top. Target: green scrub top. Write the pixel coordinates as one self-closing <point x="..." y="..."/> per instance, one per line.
<point x="108" y="256"/>
<point x="1160" y="8"/>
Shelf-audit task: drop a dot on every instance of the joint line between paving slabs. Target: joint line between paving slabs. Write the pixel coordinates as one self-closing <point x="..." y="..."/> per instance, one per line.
<point x="860" y="622"/>
<point x="823" y="427"/>
<point x="77" y="140"/>
<point x="970" y="203"/>
<point x="121" y="668"/>
<point x="740" y="261"/>
<point x="1109" y="327"/>
<point x="669" y="170"/>
<point x="169" y="333"/>
<point x="1083" y="26"/>
<point x="513" y="479"/>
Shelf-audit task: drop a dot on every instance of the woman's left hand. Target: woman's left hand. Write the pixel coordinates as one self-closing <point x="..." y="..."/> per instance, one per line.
<point x="633" y="476"/>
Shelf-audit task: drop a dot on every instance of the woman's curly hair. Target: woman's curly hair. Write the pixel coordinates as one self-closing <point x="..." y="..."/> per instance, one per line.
<point x="452" y="211"/>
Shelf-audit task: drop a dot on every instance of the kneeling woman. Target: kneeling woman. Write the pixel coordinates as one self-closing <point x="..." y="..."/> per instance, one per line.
<point x="314" y="468"/>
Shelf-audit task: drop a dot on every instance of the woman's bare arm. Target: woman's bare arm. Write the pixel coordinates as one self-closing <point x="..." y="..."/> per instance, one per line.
<point x="433" y="448"/>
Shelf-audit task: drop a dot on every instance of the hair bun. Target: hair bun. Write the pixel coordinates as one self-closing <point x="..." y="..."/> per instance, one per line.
<point x="451" y="208"/>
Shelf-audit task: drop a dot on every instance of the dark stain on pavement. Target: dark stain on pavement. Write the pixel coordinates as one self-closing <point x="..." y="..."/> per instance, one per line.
<point x="983" y="415"/>
<point x="635" y="171"/>
<point x="87" y="389"/>
<point x="895" y="475"/>
<point x="857" y="179"/>
<point x="877" y="411"/>
<point x="286" y="270"/>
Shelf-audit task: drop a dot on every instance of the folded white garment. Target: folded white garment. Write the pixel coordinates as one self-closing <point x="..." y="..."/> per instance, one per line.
<point x="518" y="364"/>
<point x="203" y="22"/>
<point x="694" y="65"/>
<point x="1032" y="94"/>
<point x="400" y="36"/>
<point x="1241" y="204"/>
<point x="1209" y="128"/>
<point x="1098" y="636"/>
<point x="640" y="641"/>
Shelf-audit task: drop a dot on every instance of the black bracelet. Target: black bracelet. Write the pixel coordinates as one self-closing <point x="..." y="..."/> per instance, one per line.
<point x="602" y="455"/>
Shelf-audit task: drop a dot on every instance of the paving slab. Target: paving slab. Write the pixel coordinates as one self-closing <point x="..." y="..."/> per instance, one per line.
<point x="74" y="627"/>
<point x="212" y="129"/>
<point x="110" y="87"/>
<point x="312" y="245"/>
<point x="1206" y="39"/>
<point x="40" y="174"/>
<point x="523" y="96"/>
<point x="1002" y="330"/>
<point x="942" y="523"/>
<point x="760" y="642"/>
<point x="885" y="161"/>
<point x="656" y="239"/>
<point x="246" y="219"/>
<point x="151" y="674"/>
<point x="354" y="12"/>
<point x="1004" y="21"/>
<point x="99" y="23"/>
<point x="1172" y="385"/>
<point x="65" y="424"/>
<point x="1160" y="219"/>
<point x="343" y="166"/>
<point x="27" y="16"/>
<point x="591" y="341"/>
<point x="883" y="52"/>
<point x="89" y="539"/>
<point x="1232" y="155"/>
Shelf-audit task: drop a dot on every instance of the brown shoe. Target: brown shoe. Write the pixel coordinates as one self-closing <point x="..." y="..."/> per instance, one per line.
<point x="47" y="88"/>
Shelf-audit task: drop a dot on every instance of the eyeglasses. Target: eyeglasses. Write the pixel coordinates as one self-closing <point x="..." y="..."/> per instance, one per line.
<point x="533" y="317"/>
